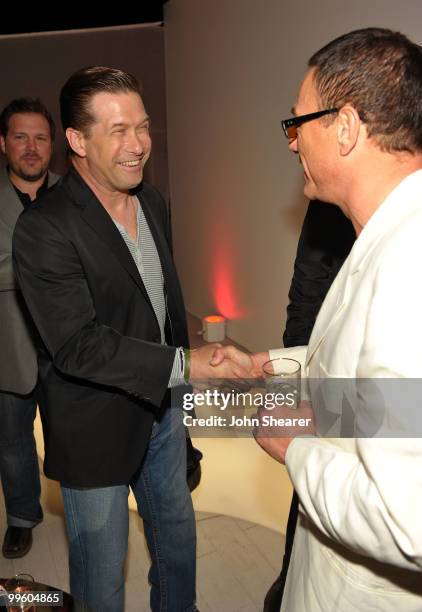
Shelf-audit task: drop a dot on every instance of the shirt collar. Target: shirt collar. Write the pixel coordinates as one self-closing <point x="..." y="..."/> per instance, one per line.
<point x="24" y="197"/>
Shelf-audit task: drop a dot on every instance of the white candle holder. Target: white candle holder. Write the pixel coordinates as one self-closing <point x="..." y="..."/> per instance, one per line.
<point x="214" y="328"/>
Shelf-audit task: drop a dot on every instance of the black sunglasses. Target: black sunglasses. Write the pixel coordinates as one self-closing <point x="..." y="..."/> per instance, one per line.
<point x="290" y="125"/>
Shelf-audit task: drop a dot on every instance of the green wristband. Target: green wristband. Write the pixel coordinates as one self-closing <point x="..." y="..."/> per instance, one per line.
<point x="186" y="372"/>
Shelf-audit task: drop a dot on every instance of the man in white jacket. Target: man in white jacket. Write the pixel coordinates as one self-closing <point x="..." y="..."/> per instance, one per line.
<point x="358" y="132"/>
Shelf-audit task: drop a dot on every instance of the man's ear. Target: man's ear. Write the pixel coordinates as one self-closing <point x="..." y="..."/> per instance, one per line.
<point x="76" y="141"/>
<point x="2" y="144"/>
<point x="348" y="126"/>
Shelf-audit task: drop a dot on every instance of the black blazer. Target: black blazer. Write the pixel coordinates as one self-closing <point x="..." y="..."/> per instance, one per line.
<point x="103" y="371"/>
<point x="325" y="241"/>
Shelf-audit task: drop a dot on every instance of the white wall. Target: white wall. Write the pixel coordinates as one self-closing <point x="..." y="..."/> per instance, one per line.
<point x="233" y="68"/>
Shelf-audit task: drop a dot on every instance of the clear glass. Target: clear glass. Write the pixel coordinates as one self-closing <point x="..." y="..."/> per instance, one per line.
<point x="282" y="375"/>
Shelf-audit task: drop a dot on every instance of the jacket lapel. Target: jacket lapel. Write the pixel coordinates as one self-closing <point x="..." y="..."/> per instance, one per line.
<point x="93" y="213"/>
<point x="398" y="204"/>
<point x="159" y="239"/>
<point x="52" y="178"/>
<point x="331" y="308"/>
<point x="176" y="313"/>
<point x="11" y="206"/>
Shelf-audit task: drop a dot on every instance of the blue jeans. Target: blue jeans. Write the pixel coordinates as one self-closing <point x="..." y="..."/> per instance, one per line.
<point x="97" y="522"/>
<point x="18" y="459"/>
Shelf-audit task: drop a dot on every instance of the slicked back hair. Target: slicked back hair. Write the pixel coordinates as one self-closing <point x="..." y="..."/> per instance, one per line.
<point x="379" y="73"/>
<point x="83" y="85"/>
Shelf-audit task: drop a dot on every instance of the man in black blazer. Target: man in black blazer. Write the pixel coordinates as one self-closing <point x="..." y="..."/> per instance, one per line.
<point x="93" y="262"/>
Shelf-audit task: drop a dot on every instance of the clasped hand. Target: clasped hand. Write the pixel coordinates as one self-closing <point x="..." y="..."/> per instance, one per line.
<point x="225" y="362"/>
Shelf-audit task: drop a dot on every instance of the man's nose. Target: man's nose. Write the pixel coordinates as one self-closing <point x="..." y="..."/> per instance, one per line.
<point x="292" y="145"/>
<point x="136" y="143"/>
<point x="31" y="144"/>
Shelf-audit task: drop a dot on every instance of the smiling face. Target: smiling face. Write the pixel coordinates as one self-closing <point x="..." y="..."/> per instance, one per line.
<point x="27" y="146"/>
<point x="316" y="145"/>
<point x="118" y="143"/>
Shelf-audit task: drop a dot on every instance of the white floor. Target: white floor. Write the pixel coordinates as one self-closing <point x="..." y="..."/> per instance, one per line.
<point x="237" y="560"/>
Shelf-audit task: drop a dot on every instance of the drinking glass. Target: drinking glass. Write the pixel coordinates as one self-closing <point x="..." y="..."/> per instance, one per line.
<point x="282" y="376"/>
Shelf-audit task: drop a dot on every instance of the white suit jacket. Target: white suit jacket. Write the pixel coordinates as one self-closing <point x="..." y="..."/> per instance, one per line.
<point x="358" y="546"/>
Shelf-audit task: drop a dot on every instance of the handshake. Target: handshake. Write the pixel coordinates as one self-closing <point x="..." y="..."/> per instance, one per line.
<point x="273" y="434"/>
<point x="225" y="362"/>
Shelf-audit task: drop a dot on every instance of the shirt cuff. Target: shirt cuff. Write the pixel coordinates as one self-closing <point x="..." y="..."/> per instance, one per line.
<point x="292" y="352"/>
<point x="176" y="376"/>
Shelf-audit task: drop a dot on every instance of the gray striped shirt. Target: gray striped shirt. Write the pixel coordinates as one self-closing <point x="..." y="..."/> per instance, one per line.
<point x="147" y="260"/>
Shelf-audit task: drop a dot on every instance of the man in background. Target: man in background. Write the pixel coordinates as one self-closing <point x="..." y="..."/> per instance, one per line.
<point x="26" y="140"/>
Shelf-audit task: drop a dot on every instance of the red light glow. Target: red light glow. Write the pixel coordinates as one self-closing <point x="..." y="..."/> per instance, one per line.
<point x="223" y="285"/>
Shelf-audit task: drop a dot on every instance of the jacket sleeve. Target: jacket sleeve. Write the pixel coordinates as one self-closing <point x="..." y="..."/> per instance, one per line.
<point x="325" y="241"/>
<point x="58" y="297"/>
